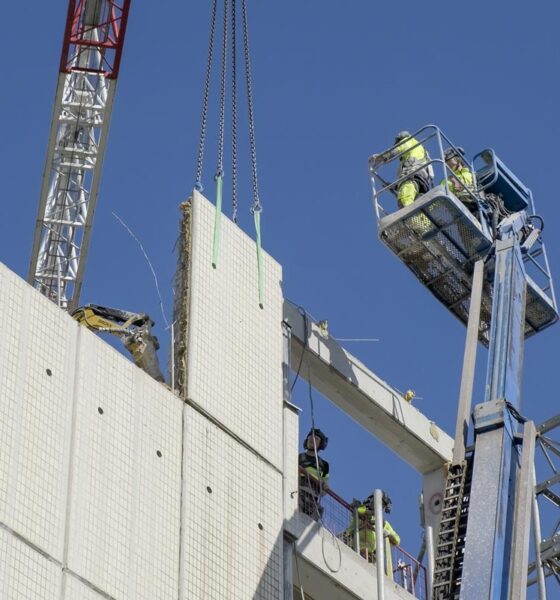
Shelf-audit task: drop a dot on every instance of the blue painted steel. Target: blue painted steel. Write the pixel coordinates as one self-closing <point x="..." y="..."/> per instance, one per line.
<point x="488" y="541"/>
<point x="493" y="176"/>
<point x="505" y="355"/>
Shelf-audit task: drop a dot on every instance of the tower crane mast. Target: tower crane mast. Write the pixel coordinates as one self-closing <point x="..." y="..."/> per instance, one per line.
<point x="89" y="67"/>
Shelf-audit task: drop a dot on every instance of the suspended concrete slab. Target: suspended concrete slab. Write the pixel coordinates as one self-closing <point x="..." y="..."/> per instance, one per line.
<point x="439" y="240"/>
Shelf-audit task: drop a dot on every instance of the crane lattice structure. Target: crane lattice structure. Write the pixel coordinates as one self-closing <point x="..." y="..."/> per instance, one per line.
<point x="89" y="67"/>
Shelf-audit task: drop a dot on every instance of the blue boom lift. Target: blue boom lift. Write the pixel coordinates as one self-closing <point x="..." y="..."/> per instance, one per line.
<point x="480" y="253"/>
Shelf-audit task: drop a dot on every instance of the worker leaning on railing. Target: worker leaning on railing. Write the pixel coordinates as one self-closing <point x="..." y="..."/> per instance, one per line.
<point x="462" y="182"/>
<point x="412" y="155"/>
<point x="366" y="530"/>
<point x="313" y="475"/>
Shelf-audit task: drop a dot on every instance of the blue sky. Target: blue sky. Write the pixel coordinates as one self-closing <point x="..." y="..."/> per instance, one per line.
<point x="333" y="82"/>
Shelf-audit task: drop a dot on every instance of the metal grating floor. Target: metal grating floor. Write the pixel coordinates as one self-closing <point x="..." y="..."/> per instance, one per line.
<point x="439" y="241"/>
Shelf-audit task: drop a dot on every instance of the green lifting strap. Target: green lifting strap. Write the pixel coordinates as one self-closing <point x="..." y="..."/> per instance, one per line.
<point x="217" y="222"/>
<point x="257" y="214"/>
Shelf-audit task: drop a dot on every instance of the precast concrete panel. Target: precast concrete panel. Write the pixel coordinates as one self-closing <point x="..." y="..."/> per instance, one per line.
<point x="234" y="346"/>
<point x="232" y="518"/>
<point x="126" y="478"/>
<point x="291" y="475"/>
<point x="37" y="350"/>
<point x="74" y="589"/>
<point x="26" y="574"/>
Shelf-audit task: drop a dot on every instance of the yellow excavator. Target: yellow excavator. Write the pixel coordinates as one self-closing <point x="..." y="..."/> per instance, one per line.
<point x="134" y="329"/>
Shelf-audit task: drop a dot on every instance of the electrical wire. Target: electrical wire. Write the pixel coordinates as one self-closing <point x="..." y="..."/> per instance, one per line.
<point x="516" y="414"/>
<point x="149" y="264"/>
<point x="318" y="512"/>
<point x="302" y="312"/>
<point x="317" y="506"/>
<point x="355" y="339"/>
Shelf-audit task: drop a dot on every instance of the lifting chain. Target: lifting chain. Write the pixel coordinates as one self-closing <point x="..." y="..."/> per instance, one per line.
<point x="256" y="207"/>
<point x="220" y="167"/>
<point x="198" y="182"/>
<point x="233" y="112"/>
<point x="256" y="201"/>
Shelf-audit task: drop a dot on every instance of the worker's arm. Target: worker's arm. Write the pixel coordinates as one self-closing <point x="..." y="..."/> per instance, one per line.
<point x="390" y="533"/>
<point x="325" y="471"/>
<point x="379" y="159"/>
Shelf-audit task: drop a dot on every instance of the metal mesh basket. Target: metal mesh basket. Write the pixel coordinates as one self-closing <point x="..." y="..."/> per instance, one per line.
<point x="438" y="239"/>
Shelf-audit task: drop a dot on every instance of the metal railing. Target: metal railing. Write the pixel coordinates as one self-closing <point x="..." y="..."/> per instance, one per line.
<point x="486" y="168"/>
<point x="337" y="516"/>
<point x="435" y="142"/>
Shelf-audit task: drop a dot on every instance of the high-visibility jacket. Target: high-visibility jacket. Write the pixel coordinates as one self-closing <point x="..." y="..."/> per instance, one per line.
<point x="309" y="464"/>
<point x="465" y="176"/>
<point x="368" y="538"/>
<point x="412" y="151"/>
<point x="413" y="156"/>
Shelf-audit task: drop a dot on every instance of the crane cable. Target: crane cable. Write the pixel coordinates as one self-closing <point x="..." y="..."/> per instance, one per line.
<point x="204" y="119"/>
<point x="218" y="177"/>
<point x="233" y="112"/>
<point x="256" y="207"/>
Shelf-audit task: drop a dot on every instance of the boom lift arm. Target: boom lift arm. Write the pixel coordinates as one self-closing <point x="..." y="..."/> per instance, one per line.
<point x="497" y="280"/>
<point x="134" y="329"/>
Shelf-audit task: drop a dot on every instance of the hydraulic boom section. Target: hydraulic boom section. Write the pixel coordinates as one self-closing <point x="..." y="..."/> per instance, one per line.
<point x="476" y="244"/>
<point x="89" y="67"/>
<point x="134" y="329"/>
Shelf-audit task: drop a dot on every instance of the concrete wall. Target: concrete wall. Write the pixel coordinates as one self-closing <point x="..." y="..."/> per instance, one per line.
<point x="233" y="381"/>
<point x="111" y="486"/>
<point x="90" y="462"/>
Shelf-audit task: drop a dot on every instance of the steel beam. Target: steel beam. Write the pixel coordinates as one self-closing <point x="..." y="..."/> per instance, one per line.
<point x="469" y="365"/>
<point x="379" y="544"/>
<point x="522" y="520"/>
<point x="537" y="539"/>
<point x="429" y="532"/>
<point x="374" y="404"/>
<point x="505" y="353"/>
<point x="549" y="424"/>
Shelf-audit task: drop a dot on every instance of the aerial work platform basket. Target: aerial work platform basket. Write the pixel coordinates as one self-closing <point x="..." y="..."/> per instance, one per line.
<point x="439" y="239"/>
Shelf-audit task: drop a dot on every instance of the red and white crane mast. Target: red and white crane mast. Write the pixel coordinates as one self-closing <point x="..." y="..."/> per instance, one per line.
<point x="89" y="67"/>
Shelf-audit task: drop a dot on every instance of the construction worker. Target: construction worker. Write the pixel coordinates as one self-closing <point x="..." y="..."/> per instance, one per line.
<point x="461" y="183"/>
<point x="412" y="155"/>
<point x="366" y="531"/>
<point x="313" y="474"/>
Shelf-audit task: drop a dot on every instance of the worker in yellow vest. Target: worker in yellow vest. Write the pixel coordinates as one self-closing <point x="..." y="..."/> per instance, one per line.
<point x="313" y="474"/>
<point x="366" y="531"/>
<point x="461" y="179"/>
<point x="412" y="155"/>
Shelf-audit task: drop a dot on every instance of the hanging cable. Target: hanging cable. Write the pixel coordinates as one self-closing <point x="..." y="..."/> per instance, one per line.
<point x="220" y="168"/>
<point x="256" y="208"/>
<point x="204" y="118"/>
<point x="233" y="112"/>
<point x="303" y="313"/>
<point x="256" y="201"/>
